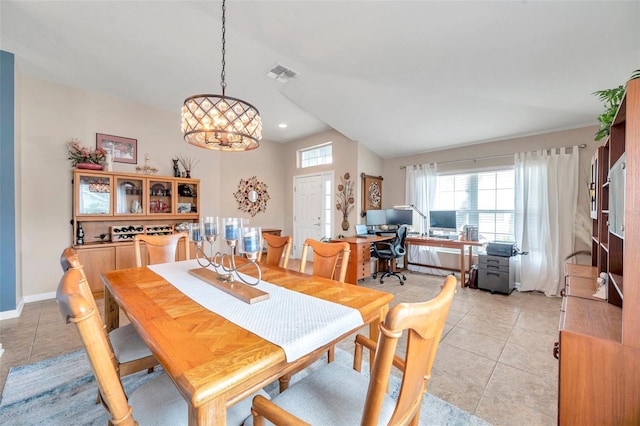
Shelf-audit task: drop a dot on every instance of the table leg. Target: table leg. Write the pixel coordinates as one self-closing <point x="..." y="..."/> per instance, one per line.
<point x="111" y="311"/>
<point x="462" y="277"/>
<point x="213" y="412"/>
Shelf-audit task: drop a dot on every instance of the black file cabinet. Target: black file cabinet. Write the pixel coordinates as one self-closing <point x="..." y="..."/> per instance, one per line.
<point x="496" y="273"/>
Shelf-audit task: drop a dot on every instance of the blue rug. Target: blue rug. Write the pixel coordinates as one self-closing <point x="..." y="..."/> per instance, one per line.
<point x="62" y="391"/>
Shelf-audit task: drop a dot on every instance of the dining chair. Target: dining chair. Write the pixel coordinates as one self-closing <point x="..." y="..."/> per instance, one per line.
<point x="157" y="402"/>
<point x="389" y="251"/>
<point x="276" y="247"/>
<point x="325" y="258"/>
<point x="338" y="395"/>
<point x="131" y="353"/>
<point x="160" y="248"/>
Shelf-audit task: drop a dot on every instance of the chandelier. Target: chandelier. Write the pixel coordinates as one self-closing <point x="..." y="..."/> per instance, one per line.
<point x="221" y="122"/>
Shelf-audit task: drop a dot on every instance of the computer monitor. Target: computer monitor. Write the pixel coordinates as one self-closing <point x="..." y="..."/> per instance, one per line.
<point x="399" y="217"/>
<point x="443" y="220"/>
<point x="376" y="217"/>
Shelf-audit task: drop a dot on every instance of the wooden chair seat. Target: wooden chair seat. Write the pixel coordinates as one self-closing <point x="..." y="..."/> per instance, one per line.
<point x="158" y="401"/>
<point x="335" y="395"/>
<point x="343" y="389"/>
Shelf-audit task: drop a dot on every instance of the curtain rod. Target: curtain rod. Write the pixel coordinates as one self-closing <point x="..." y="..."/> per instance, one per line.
<point x="582" y="145"/>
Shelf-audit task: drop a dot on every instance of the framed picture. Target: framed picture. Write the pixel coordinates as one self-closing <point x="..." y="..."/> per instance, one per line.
<point x="123" y="150"/>
<point x="371" y="193"/>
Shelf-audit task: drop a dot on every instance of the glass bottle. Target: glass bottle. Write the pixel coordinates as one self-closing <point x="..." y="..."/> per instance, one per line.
<point x="80" y="234"/>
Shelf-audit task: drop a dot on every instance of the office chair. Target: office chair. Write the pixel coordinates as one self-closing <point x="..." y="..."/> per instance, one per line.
<point x="389" y="251"/>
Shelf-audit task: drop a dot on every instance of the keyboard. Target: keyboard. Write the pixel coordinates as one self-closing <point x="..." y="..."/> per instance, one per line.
<point x="366" y="236"/>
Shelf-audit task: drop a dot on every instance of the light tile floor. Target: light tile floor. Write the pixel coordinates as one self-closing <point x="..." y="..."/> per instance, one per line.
<point x="494" y="359"/>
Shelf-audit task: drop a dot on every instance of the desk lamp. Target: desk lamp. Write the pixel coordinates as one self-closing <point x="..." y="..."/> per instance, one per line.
<point x="422" y="215"/>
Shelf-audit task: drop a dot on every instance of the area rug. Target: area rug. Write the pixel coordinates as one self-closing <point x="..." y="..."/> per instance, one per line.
<point x="62" y="391"/>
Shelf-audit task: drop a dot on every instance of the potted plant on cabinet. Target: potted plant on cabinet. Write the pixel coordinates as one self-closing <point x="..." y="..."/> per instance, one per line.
<point x="611" y="99"/>
<point x="84" y="158"/>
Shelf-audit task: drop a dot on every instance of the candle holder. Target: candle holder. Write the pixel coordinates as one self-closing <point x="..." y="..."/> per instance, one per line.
<point x="248" y="241"/>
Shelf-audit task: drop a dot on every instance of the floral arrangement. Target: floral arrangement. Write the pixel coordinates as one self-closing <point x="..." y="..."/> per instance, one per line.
<point x="187" y="162"/>
<point x="78" y="154"/>
<point x="345" y="199"/>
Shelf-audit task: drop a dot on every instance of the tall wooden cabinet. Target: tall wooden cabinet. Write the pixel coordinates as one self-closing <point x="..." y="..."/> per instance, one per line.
<point x="599" y="345"/>
<point x="112" y="207"/>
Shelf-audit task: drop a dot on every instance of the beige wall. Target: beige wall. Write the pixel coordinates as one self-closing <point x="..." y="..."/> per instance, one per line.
<point x="371" y="164"/>
<point x="265" y="163"/>
<point x="48" y="115"/>
<point x="51" y="114"/>
<point x="502" y="151"/>
<point x="345" y="153"/>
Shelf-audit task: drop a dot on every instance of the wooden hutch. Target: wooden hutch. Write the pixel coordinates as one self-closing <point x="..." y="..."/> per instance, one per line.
<point x="599" y="345"/>
<point x="113" y="207"/>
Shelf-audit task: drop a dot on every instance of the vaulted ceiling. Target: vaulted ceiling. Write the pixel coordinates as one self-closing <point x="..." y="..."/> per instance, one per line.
<point x="398" y="76"/>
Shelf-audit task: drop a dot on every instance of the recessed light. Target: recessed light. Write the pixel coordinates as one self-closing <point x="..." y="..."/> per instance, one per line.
<point x="282" y="125"/>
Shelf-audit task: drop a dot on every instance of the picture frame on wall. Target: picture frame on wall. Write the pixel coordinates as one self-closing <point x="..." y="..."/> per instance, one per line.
<point x="122" y="150"/>
<point x="371" y="193"/>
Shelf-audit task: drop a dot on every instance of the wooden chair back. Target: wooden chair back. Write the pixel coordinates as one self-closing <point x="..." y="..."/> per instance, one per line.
<point x="77" y="309"/>
<point x="160" y="248"/>
<point x="276" y="246"/>
<point x="69" y="260"/>
<point x="423" y="322"/>
<point x="326" y="257"/>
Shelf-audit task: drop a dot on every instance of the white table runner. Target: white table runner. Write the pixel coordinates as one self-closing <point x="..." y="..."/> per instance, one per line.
<point x="297" y="323"/>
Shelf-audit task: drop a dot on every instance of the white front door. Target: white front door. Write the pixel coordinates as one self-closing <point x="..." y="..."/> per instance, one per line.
<point x="313" y="198"/>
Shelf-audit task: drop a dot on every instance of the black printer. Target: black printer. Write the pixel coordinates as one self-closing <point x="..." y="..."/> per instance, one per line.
<point x="501" y="249"/>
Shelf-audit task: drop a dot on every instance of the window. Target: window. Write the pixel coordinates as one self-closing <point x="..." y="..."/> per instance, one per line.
<point x="484" y="199"/>
<point x="327" y="205"/>
<point x="315" y="156"/>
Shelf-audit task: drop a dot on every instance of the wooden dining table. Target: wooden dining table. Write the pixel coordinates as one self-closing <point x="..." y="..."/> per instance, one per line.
<point x="213" y="362"/>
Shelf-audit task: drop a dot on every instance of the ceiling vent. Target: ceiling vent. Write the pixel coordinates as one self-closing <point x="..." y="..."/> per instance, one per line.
<point x="282" y="73"/>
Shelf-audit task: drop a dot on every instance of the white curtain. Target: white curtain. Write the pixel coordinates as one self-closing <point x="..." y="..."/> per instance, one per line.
<point x="420" y="190"/>
<point x="546" y="188"/>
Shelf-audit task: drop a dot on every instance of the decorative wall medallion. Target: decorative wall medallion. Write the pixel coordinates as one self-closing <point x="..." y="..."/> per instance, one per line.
<point x="371" y="193"/>
<point x="252" y="196"/>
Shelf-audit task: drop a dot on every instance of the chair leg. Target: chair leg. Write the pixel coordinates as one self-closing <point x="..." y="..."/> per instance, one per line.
<point x="331" y="354"/>
<point x="389" y="273"/>
<point x="284" y="382"/>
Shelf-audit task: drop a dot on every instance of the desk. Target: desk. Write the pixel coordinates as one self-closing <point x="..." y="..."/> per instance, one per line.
<point x="213" y="362"/>
<point x="439" y="242"/>
<point x="359" y="266"/>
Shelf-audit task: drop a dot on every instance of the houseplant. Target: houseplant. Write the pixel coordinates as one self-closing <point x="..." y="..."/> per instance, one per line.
<point x="611" y="99"/>
<point x="84" y="158"/>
